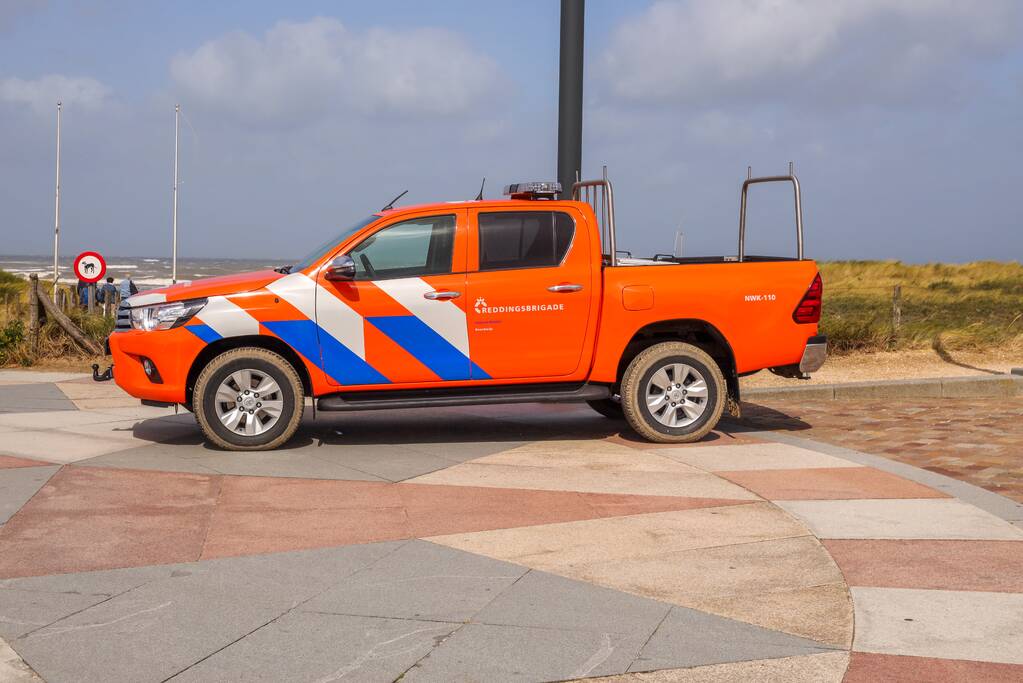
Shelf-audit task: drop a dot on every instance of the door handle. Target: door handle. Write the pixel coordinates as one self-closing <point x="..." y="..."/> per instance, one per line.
<point x="441" y="295"/>
<point x="564" y="289"/>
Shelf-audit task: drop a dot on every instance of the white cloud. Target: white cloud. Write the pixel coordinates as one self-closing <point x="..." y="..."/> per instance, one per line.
<point x="43" y="93"/>
<point x="297" y="71"/>
<point x="778" y="50"/>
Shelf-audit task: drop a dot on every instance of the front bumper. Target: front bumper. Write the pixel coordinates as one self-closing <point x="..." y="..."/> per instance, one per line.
<point x="171" y="351"/>
<point x="814" y="355"/>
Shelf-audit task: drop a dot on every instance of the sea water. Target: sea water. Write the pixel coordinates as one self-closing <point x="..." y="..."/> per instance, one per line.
<point x="147" y="272"/>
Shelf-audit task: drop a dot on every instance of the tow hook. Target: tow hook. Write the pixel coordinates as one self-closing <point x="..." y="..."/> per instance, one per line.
<point x="105" y="376"/>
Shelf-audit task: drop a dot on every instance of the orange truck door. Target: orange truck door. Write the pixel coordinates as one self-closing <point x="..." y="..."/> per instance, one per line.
<point x="529" y="293"/>
<point x="402" y="319"/>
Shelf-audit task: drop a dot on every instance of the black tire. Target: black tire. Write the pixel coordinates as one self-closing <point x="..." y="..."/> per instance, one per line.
<point x="609" y="408"/>
<point x="258" y="361"/>
<point x="642" y="369"/>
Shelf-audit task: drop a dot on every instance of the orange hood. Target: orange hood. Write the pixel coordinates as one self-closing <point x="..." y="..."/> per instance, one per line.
<point x="223" y="285"/>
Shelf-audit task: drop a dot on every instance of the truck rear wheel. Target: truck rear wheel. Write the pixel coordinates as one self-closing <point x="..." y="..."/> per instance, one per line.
<point x="248" y="399"/>
<point x="673" y="393"/>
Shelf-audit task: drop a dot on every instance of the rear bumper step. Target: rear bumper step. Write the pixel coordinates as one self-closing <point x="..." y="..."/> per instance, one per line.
<point x="437" y="398"/>
<point x="814" y="355"/>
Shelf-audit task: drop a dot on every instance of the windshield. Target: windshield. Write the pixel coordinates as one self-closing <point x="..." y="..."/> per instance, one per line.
<point x="318" y="253"/>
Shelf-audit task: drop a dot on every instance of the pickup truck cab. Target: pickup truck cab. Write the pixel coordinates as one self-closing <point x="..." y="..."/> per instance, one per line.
<point x="490" y="301"/>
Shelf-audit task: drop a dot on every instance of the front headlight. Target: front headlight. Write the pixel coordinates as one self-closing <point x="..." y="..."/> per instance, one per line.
<point x="165" y="316"/>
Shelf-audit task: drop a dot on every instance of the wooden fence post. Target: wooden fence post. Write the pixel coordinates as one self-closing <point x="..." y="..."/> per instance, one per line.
<point x="92" y="298"/>
<point x="896" y="311"/>
<point x="33" y="313"/>
<point x="69" y="326"/>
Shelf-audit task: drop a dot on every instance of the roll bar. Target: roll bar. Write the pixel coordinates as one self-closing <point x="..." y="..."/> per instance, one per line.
<point x="592" y="191"/>
<point x="750" y="180"/>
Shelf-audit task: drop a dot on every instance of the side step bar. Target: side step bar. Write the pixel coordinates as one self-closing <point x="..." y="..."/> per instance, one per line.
<point x="437" y="398"/>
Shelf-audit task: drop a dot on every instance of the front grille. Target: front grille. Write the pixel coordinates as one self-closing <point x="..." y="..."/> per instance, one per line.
<point x="123" y="317"/>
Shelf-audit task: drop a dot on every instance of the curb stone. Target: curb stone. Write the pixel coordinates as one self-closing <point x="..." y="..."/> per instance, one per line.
<point x="986" y="386"/>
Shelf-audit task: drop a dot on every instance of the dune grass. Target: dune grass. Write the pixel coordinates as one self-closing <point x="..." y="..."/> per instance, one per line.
<point x="54" y="342"/>
<point x="944" y="306"/>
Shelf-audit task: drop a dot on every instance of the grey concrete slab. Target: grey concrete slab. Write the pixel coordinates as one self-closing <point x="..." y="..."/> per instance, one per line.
<point x="483" y="652"/>
<point x="304" y="646"/>
<point x="31" y="398"/>
<point x="421" y="580"/>
<point x="181" y="615"/>
<point x="147" y="634"/>
<point x="18" y="485"/>
<point x="24" y="611"/>
<point x="103" y="584"/>
<point x="689" y="638"/>
<point x="158" y="458"/>
<point x="392" y="463"/>
<point x="543" y="600"/>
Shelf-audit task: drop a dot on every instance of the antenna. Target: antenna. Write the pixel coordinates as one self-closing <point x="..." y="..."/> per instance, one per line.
<point x="792" y="168"/>
<point x="390" y="204"/>
<point x="479" y="197"/>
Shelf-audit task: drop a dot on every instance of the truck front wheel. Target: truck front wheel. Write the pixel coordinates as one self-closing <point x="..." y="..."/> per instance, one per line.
<point x="248" y="399"/>
<point x="673" y="393"/>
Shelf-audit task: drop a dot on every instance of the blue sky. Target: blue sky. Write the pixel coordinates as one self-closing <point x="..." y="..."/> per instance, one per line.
<point x="903" y="118"/>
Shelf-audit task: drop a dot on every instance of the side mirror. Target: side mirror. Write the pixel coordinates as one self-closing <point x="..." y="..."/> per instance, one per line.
<point x="341" y="269"/>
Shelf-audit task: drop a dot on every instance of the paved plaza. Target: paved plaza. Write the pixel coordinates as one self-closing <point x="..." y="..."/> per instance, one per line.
<point x="519" y="543"/>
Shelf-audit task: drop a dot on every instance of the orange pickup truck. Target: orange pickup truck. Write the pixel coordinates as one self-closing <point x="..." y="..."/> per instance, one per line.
<point x="519" y="300"/>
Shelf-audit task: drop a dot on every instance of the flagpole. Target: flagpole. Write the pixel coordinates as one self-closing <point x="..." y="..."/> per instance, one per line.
<point x="56" y="216"/>
<point x="174" y="255"/>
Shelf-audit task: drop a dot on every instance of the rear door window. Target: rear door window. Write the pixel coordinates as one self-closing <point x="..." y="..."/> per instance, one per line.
<point x="524" y="239"/>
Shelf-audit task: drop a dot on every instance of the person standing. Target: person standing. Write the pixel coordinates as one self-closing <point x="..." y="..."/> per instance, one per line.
<point x="83" y="293"/>
<point x="107" y="294"/>
<point x="127" y="287"/>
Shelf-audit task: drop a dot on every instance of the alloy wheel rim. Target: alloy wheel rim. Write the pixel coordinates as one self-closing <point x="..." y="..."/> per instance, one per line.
<point x="249" y="402"/>
<point x="676" y="395"/>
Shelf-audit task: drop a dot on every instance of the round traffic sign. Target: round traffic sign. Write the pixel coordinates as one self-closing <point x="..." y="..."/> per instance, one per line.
<point x="90" y="266"/>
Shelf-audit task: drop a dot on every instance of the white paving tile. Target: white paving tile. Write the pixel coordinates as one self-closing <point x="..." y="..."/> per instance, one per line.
<point x="766" y="456"/>
<point x="948" y="624"/>
<point x="916" y="518"/>
<point x="59" y="447"/>
<point x="37" y="376"/>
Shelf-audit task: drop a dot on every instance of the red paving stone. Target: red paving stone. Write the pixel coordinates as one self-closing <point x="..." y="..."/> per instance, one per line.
<point x="865" y="667"/>
<point x="995" y="566"/>
<point x="975" y="440"/>
<point x="250" y="532"/>
<point x="91" y="518"/>
<point x="261" y="515"/>
<point x="829" y="483"/>
<point x="95" y="518"/>
<point x="10" y="462"/>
